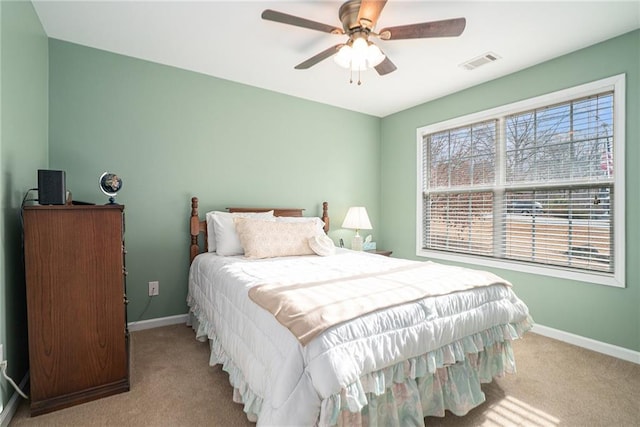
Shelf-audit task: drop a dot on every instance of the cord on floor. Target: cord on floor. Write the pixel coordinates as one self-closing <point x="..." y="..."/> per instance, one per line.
<point x="3" y="366"/>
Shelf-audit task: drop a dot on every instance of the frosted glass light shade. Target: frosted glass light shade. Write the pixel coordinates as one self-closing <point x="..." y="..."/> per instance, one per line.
<point x="357" y="219"/>
<point x="374" y="55"/>
<point x="360" y="56"/>
<point x="343" y="57"/>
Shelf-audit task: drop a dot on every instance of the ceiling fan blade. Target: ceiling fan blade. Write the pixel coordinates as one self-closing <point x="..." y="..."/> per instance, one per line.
<point x="385" y="67"/>
<point x="283" y="18"/>
<point x="446" y="28"/>
<point x="319" y="57"/>
<point x="370" y="11"/>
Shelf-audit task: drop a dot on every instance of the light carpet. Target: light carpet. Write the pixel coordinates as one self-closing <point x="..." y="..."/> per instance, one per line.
<point x="557" y="384"/>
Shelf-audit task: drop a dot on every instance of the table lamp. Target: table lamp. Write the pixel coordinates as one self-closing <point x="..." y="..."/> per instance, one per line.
<point x="357" y="219"/>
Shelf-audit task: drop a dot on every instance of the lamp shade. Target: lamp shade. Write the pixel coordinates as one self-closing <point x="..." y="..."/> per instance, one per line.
<point x="357" y="219"/>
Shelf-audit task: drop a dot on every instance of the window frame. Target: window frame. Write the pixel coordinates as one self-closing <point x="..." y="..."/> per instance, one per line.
<point x="617" y="278"/>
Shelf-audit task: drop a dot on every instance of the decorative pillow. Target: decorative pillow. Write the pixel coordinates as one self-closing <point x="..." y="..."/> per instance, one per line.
<point x="319" y="223"/>
<point x="227" y="242"/>
<point x="267" y="239"/>
<point x="322" y="245"/>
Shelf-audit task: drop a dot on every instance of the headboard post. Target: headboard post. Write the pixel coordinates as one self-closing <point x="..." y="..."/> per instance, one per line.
<point x="325" y="216"/>
<point x="195" y="229"/>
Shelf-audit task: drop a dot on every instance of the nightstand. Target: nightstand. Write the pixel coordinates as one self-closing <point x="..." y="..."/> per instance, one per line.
<point x="380" y="252"/>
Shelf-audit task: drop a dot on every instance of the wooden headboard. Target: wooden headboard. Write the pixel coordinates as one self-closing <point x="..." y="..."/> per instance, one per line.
<point x="198" y="226"/>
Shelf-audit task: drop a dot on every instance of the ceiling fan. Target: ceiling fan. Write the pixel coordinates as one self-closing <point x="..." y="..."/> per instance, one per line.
<point x="359" y="18"/>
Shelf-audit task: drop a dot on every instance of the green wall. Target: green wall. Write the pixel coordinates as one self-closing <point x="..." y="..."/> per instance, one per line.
<point x="606" y="314"/>
<point x="173" y="134"/>
<point x="23" y="149"/>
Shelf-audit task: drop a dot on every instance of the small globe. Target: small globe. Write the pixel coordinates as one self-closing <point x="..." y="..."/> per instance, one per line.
<point x="110" y="184"/>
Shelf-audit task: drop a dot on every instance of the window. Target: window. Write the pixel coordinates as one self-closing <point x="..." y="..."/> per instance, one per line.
<point x="536" y="186"/>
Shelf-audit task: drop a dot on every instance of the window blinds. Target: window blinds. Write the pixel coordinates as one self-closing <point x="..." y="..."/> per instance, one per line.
<point x="533" y="186"/>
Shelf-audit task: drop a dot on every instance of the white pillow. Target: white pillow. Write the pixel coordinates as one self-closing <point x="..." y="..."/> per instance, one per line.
<point x="226" y="238"/>
<point x="322" y="245"/>
<point x="211" y="232"/>
<point x="268" y="239"/>
<point x="317" y="221"/>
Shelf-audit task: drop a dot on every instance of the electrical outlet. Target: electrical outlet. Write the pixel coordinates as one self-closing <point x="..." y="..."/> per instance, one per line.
<point x="154" y="288"/>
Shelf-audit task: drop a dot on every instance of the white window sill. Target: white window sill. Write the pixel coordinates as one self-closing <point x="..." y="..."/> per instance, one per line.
<point x="606" y="279"/>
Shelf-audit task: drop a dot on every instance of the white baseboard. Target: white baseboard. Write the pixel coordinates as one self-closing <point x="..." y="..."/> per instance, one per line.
<point x="12" y="406"/>
<point x="588" y="343"/>
<point x="158" y="322"/>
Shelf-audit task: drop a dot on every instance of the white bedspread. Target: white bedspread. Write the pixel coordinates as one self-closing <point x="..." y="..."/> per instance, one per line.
<point x="293" y="380"/>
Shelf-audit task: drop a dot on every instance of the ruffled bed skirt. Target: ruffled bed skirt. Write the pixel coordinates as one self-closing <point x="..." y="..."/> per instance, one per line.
<point x="405" y="393"/>
<point x="448" y="378"/>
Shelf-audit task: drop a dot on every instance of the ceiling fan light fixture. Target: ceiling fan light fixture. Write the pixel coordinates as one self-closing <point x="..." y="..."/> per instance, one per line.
<point x="359" y="19"/>
<point x="343" y="57"/>
<point x="374" y="55"/>
<point x="359" y="55"/>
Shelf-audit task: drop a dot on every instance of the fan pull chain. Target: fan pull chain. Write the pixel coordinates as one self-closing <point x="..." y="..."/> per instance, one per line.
<point x="351" y="76"/>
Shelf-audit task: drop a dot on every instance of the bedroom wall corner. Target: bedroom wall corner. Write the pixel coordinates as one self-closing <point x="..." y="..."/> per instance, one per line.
<point x="3" y="332"/>
<point x="23" y="149"/>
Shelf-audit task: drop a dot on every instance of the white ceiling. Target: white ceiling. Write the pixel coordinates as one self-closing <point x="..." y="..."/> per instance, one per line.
<point x="229" y="40"/>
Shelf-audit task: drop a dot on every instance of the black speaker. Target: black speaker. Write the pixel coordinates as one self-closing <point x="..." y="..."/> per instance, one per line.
<point x="52" y="189"/>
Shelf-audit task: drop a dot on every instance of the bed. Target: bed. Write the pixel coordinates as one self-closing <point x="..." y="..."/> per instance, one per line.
<point x="344" y="337"/>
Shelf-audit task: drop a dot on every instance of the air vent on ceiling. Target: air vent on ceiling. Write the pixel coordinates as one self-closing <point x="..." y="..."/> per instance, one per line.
<point x="479" y="61"/>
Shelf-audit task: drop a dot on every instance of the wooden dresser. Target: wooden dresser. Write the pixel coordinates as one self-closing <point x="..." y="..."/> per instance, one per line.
<point x="76" y="304"/>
